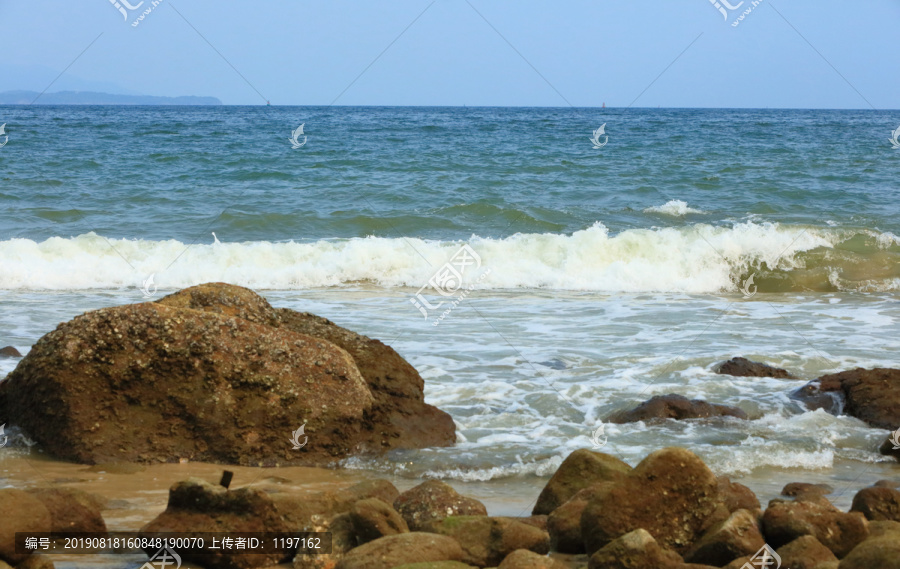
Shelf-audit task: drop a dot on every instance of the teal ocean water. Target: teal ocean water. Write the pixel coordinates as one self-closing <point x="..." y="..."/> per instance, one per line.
<point x="600" y="276"/>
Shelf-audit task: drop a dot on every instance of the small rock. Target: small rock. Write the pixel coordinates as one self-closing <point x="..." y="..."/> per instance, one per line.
<point x="887" y="484"/>
<point x="579" y="470"/>
<point x="784" y="521"/>
<point x="436" y="565"/>
<point x="871" y="395"/>
<point x="736" y="496"/>
<point x="372" y="518"/>
<point x="36" y="562"/>
<point x="524" y="559"/>
<point x="634" y="550"/>
<point x="800" y="489"/>
<point x="433" y="500"/>
<point x="678" y="407"/>
<point x="737" y="536"/>
<point x="539" y="522"/>
<point x="805" y="553"/>
<point x="878" y="504"/>
<point x="9" y="352"/>
<point x="487" y="541"/>
<point x="742" y="367"/>
<point x="401" y="549"/>
<point x="672" y="494"/>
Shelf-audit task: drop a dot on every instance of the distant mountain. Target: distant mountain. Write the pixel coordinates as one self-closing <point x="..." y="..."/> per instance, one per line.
<point x="93" y="98"/>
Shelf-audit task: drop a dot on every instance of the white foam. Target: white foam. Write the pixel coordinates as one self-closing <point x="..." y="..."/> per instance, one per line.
<point x="692" y="259"/>
<point x="675" y="208"/>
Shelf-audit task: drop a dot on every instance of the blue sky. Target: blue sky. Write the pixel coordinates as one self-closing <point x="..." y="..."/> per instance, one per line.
<point x="475" y="52"/>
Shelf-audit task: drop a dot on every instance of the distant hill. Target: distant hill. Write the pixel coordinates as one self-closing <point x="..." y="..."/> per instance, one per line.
<point x="92" y="98"/>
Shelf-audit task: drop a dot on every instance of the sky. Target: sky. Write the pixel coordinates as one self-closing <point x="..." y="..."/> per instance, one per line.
<point x="583" y="53"/>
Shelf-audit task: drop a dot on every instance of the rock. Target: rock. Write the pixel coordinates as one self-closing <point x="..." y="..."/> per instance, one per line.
<point x="671" y="494"/>
<point x="886" y="448"/>
<point x="21" y="512"/>
<point x="539" y="522"/>
<point x="71" y="510"/>
<point x="881" y="550"/>
<point x="877" y="504"/>
<point x="372" y="518"/>
<point x="311" y="510"/>
<point x="564" y="524"/>
<point x="886" y="484"/>
<point x="799" y="489"/>
<point x="487" y="541"/>
<point x="678" y="407"/>
<point x="784" y="521"/>
<point x="871" y="395"/>
<point x="634" y="550"/>
<point x="433" y="500"/>
<point x="742" y="367"/>
<point x="524" y="559"/>
<point x="737" y="536"/>
<point x="399" y="417"/>
<point x="401" y="549"/>
<point x="736" y="496"/>
<point x="196" y="506"/>
<point x="343" y="539"/>
<point x="581" y="469"/>
<point x="149" y="382"/>
<point x="225" y="300"/>
<point x="805" y="553"/>
<point x="9" y="352"/>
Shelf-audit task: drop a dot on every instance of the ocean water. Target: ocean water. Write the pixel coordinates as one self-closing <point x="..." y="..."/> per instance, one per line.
<point x="591" y="278"/>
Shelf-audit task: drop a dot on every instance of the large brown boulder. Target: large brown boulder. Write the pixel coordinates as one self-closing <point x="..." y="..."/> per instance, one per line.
<point x="148" y="382"/>
<point x="871" y="395"/>
<point x="196" y="506"/>
<point x="678" y="407"/>
<point x="20" y="512"/>
<point x="71" y="510"/>
<point x="402" y="549"/>
<point x="742" y="367"/>
<point x="671" y="494"/>
<point x="805" y="553"/>
<point x="784" y="521"/>
<point x="737" y="536"/>
<point x="581" y="469"/>
<point x="433" y="500"/>
<point x="311" y="511"/>
<point x="634" y="550"/>
<point x="487" y="541"/>
<point x="878" y="504"/>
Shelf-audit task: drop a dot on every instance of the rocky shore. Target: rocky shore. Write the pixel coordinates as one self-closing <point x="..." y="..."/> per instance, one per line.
<point x="215" y="374"/>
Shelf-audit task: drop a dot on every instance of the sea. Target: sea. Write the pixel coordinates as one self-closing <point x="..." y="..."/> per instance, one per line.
<point x="542" y="268"/>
